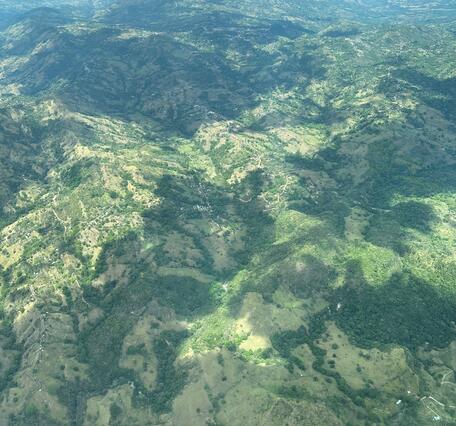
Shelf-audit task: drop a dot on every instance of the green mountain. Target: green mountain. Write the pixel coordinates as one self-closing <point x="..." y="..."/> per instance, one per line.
<point x="227" y="212"/>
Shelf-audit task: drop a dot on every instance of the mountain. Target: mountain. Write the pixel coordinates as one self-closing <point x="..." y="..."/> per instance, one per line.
<point x="227" y="213"/>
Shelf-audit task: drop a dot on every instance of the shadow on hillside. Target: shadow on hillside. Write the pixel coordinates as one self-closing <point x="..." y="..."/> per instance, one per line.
<point x="405" y="310"/>
<point x="389" y="175"/>
<point x="183" y="215"/>
<point x="438" y="94"/>
<point x="160" y="77"/>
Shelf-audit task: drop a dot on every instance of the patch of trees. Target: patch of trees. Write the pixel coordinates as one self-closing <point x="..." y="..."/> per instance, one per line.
<point x="76" y="173"/>
<point x="170" y="378"/>
<point x="405" y="310"/>
<point x="285" y="342"/>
